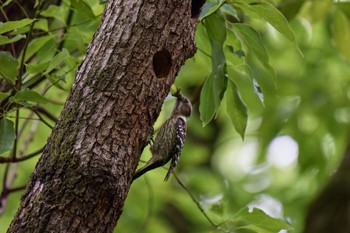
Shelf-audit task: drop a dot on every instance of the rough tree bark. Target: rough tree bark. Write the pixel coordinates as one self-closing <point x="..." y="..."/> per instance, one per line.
<point x="83" y="177"/>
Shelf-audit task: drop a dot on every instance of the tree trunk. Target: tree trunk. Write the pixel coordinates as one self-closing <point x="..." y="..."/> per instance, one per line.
<point x="330" y="211"/>
<point x="83" y="177"/>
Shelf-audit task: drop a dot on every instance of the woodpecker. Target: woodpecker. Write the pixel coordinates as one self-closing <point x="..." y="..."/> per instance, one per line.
<point x="170" y="138"/>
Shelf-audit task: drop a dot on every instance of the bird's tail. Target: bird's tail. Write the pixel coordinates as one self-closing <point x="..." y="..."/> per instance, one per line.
<point x="171" y="169"/>
<point x="150" y="165"/>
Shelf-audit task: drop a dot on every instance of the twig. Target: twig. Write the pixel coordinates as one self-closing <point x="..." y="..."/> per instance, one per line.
<point x="42" y="119"/>
<point x="42" y="110"/>
<point x="195" y="200"/>
<point x="19" y="159"/>
<point x="19" y="188"/>
<point x="4" y="194"/>
<point x="22" y="9"/>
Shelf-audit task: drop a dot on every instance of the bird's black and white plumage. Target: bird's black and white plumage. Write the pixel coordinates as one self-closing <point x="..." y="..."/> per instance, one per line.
<point x="181" y="129"/>
<point x="170" y="138"/>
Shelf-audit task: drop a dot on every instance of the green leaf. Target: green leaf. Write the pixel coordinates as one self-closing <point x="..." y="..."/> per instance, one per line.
<point x="8" y="66"/>
<point x="269" y="13"/>
<point x="209" y="8"/>
<point x="258" y="221"/>
<point x="233" y="50"/>
<point x="7" y="40"/>
<point x="3" y="96"/>
<point x="215" y="86"/>
<point x="242" y="77"/>
<point x="56" y="12"/>
<point x="42" y="24"/>
<point x="37" y="68"/>
<point x="341" y="31"/>
<point x="30" y="95"/>
<point x="253" y="41"/>
<point x="291" y="8"/>
<point x="207" y="107"/>
<point x="57" y="60"/>
<point x="12" y="25"/>
<point x="218" y="72"/>
<point x="236" y="109"/>
<point x="216" y="28"/>
<point x="213" y="203"/>
<point x="83" y="8"/>
<point x="202" y="40"/>
<point x="7" y="135"/>
<point x="35" y="45"/>
<point x="230" y="13"/>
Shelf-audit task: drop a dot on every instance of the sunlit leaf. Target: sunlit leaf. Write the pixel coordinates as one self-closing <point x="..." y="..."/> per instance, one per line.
<point x="202" y="40"/>
<point x="216" y="28"/>
<point x="213" y="203"/>
<point x="42" y="24"/>
<point x="242" y="77"/>
<point x="7" y="135"/>
<point x="258" y="221"/>
<point x="35" y="45"/>
<point x="8" y="66"/>
<point x="12" y="25"/>
<point x="83" y="8"/>
<point x="236" y="109"/>
<point x="269" y="13"/>
<point x="56" y="12"/>
<point x="253" y="40"/>
<point x="258" y="91"/>
<point x="209" y="8"/>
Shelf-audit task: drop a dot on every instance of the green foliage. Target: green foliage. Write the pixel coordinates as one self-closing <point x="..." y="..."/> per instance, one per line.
<point x="342" y="33"/>
<point x="208" y="105"/>
<point x="253" y="40"/>
<point x="226" y="37"/>
<point x="258" y="221"/>
<point x="29" y="95"/>
<point x="8" y="66"/>
<point x="236" y="110"/>
<point x="14" y="25"/>
<point x="7" y="40"/>
<point x="7" y="135"/>
<point x="263" y="10"/>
